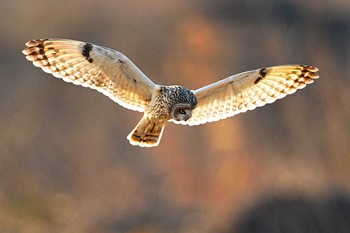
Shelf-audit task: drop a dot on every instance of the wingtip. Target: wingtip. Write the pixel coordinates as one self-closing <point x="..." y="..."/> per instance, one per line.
<point x="310" y="73"/>
<point x="35" y="42"/>
<point x="311" y="68"/>
<point x="24" y="51"/>
<point x="30" y="46"/>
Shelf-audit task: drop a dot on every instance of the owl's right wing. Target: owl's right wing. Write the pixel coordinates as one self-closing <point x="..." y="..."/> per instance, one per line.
<point x="103" y="69"/>
<point x="248" y="90"/>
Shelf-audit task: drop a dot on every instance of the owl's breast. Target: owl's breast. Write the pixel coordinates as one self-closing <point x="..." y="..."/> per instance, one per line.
<point x="159" y="107"/>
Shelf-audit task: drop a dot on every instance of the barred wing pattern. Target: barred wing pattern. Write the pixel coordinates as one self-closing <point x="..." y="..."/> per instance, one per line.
<point x="248" y="90"/>
<point x="103" y="69"/>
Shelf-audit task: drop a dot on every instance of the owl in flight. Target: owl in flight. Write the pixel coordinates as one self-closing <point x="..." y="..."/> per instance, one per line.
<point x="113" y="74"/>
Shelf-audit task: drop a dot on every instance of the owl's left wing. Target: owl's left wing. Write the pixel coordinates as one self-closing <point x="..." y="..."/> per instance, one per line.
<point x="248" y="90"/>
<point x="103" y="69"/>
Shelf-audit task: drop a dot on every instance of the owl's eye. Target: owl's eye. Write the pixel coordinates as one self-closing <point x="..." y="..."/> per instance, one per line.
<point x="182" y="111"/>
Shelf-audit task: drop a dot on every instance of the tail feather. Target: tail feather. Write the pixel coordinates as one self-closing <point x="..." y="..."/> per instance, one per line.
<point x="147" y="132"/>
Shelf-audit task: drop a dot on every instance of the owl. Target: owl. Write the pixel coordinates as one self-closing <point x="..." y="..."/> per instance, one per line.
<point x="114" y="75"/>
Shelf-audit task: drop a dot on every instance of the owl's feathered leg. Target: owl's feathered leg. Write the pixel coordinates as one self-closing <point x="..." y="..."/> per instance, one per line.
<point x="147" y="132"/>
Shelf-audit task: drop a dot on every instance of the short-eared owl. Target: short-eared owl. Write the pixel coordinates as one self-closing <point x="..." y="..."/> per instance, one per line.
<point x="113" y="74"/>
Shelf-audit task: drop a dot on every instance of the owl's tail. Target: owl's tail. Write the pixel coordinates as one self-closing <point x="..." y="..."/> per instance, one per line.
<point x="147" y="132"/>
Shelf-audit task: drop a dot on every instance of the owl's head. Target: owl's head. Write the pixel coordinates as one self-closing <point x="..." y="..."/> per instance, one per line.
<point x="181" y="102"/>
<point x="184" y="103"/>
<point x="181" y="112"/>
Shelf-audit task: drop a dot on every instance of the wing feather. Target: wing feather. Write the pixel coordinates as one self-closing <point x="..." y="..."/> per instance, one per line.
<point x="248" y="90"/>
<point x="88" y="65"/>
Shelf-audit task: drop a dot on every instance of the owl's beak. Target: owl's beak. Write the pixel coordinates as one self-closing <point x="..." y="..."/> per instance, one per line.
<point x="188" y="117"/>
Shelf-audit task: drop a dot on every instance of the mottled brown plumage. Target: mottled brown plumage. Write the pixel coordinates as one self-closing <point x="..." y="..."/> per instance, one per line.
<point x="113" y="74"/>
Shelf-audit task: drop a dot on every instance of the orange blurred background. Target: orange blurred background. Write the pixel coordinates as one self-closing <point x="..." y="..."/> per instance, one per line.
<point x="66" y="165"/>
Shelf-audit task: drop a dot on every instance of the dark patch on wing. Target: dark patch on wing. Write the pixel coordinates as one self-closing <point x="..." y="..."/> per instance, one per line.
<point x="303" y="73"/>
<point x="42" y="52"/>
<point x="121" y="61"/>
<point x="86" y="52"/>
<point x="257" y="80"/>
<point x="262" y="74"/>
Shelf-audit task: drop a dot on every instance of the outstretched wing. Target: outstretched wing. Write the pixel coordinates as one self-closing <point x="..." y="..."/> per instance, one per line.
<point x="248" y="90"/>
<point x="103" y="69"/>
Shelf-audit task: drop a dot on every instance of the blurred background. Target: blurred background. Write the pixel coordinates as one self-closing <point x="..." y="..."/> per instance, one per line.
<point x="66" y="165"/>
